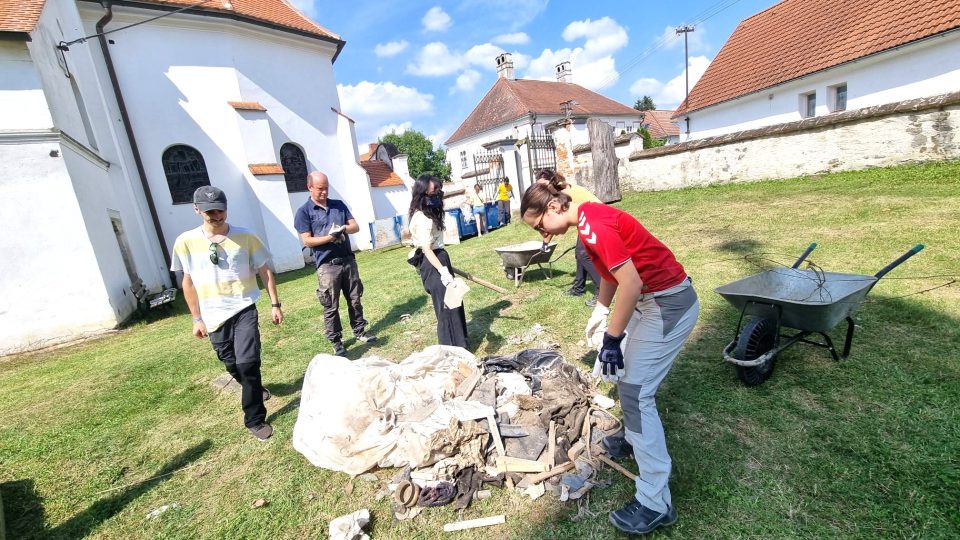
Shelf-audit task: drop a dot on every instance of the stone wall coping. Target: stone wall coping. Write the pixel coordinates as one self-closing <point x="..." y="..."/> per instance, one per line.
<point x="818" y="122"/>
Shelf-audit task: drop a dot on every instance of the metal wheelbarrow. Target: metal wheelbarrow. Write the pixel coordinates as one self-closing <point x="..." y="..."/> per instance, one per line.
<point x="516" y="258"/>
<point x="809" y="301"/>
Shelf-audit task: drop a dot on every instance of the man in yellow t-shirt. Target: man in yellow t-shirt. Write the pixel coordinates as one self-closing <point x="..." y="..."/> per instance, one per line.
<point x="504" y="194"/>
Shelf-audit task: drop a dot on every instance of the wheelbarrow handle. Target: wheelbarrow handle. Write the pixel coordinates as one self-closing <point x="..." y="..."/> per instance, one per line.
<point x="913" y="251"/>
<point x="803" y="257"/>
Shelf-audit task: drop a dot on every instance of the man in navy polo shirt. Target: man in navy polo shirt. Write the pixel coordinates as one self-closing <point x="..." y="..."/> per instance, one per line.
<point x="324" y="224"/>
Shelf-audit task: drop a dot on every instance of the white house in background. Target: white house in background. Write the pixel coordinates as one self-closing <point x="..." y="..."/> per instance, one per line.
<point x="807" y="58"/>
<point x="105" y="138"/>
<point x="515" y="109"/>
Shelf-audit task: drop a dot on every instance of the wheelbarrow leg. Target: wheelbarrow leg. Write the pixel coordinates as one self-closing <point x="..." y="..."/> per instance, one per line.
<point x="846" y="344"/>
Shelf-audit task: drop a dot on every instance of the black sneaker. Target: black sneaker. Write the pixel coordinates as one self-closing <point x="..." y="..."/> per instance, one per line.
<point x="339" y="349"/>
<point x="262" y="431"/>
<point x="635" y="518"/>
<point x="267" y="394"/>
<point x="617" y="447"/>
<point x="572" y="292"/>
<point x="364" y="337"/>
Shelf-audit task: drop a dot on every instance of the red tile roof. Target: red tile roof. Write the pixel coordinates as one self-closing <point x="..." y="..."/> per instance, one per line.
<point x="259" y="169"/>
<point x="247" y="106"/>
<point x="799" y="37"/>
<point x="19" y="15"/>
<point x="381" y="175"/>
<point x="22" y="15"/>
<point x="660" y="125"/>
<point x="511" y="99"/>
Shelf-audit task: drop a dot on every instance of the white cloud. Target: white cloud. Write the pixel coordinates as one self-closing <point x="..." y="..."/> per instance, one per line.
<point x="436" y="20"/>
<point x="392" y="48"/>
<point x="593" y="64"/>
<point x="604" y="36"/>
<point x="483" y="55"/>
<point x="669" y="95"/>
<point x="516" y="38"/>
<point x="381" y="102"/>
<point x="696" y="40"/>
<point x="467" y="81"/>
<point x="397" y="129"/>
<point x="438" y="137"/>
<point x="436" y="60"/>
<point x="645" y="87"/>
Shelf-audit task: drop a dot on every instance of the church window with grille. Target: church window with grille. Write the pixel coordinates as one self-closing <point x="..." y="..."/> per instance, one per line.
<point x="185" y="170"/>
<point x="294" y="165"/>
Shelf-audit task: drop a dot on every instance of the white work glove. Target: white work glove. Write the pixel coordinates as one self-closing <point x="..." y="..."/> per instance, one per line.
<point x="609" y="366"/>
<point x="337" y="232"/>
<point x="596" y="326"/>
<point x="445" y="276"/>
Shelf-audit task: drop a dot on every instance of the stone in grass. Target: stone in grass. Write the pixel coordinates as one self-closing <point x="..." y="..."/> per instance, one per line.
<point x="226" y="384"/>
<point x="350" y="526"/>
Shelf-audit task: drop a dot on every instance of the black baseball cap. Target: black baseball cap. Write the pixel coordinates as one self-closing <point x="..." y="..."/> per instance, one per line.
<point x="209" y="198"/>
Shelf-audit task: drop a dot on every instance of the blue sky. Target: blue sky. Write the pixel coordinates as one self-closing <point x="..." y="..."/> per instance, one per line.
<point x="425" y="65"/>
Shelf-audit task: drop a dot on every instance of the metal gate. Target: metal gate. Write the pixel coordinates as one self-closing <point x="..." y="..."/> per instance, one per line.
<point x="489" y="168"/>
<point x="541" y="154"/>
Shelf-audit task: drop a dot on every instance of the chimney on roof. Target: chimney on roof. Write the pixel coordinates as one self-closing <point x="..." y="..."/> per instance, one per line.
<point x="564" y="73"/>
<point x="505" y="66"/>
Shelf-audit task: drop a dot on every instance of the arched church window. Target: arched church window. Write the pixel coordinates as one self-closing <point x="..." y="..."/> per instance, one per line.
<point x="185" y="172"/>
<point x="294" y="165"/>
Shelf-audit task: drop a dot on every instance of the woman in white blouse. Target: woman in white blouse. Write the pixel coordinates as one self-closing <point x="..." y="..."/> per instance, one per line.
<point x="431" y="259"/>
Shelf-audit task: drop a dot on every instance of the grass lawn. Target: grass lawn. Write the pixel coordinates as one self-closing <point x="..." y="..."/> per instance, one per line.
<point x="865" y="448"/>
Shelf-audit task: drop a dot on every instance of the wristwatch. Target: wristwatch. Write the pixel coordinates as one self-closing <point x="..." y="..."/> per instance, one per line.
<point x="275" y="305"/>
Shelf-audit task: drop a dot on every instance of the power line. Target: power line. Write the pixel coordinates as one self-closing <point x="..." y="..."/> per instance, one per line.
<point x="703" y="16"/>
<point x="63" y="46"/>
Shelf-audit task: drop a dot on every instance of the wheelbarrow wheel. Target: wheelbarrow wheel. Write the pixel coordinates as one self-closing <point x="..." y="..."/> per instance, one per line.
<point x="756" y="338"/>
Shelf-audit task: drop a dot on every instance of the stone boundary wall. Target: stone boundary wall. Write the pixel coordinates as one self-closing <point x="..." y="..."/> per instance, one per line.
<point x="918" y="130"/>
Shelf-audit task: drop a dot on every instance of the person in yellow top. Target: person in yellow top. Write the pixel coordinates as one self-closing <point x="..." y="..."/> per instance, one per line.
<point x="504" y="194"/>
<point x="584" y="265"/>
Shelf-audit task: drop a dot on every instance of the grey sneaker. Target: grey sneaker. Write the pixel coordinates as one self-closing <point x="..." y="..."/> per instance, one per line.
<point x="635" y="518"/>
<point x="339" y="349"/>
<point x="262" y="431"/>
<point x="364" y="337"/>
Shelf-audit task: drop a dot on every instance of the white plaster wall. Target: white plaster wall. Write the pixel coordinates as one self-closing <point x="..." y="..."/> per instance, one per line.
<point x="52" y="289"/>
<point x="177" y="75"/>
<point x="925" y="69"/>
<point x="22" y="103"/>
<point x="391" y="201"/>
<point x="890" y="140"/>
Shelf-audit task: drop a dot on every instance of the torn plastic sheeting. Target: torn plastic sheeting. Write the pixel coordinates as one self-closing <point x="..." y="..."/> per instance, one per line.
<point x="531" y="363"/>
<point x="343" y="404"/>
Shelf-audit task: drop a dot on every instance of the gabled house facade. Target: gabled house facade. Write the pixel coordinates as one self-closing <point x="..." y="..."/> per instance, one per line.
<point x="807" y="58"/>
<point x="112" y="113"/>
<point x="506" y="134"/>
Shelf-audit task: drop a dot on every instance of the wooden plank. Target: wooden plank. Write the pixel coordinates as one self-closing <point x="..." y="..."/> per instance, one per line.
<point x="495" y="433"/>
<point x="552" y="444"/>
<point x="512" y="464"/>
<point x="474" y="523"/>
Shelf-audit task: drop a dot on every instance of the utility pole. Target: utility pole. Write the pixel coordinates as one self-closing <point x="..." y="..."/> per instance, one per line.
<point x="686" y="56"/>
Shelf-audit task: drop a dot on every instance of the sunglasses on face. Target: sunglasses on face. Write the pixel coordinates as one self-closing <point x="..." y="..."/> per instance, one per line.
<point x="539" y="225"/>
<point x="214" y="256"/>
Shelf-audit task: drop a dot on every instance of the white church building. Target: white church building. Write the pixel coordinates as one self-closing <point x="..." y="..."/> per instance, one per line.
<point x="113" y="113"/>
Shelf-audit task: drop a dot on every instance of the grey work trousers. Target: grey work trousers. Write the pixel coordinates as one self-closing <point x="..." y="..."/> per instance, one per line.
<point x="340" y="275"/>
<point x="660" y="325"/>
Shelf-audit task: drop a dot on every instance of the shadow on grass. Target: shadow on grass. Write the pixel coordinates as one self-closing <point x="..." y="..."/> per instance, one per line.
<point x="478" y="327"/>
<point x="24" y="510"/>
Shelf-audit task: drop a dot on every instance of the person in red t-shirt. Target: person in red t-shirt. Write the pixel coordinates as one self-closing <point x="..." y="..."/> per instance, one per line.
<point x="656" y="311"/>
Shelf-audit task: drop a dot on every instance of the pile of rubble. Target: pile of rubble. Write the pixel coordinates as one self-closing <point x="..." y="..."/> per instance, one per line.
<point x="456" y="425"/>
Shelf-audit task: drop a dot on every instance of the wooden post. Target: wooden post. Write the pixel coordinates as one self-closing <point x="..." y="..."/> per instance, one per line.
<point x="606" y="179"/>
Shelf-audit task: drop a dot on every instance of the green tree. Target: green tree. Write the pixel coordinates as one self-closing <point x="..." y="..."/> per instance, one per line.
<point x="648" y="140"/>
<point x="644" y="104"/>
<point x="421" y="155"/>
